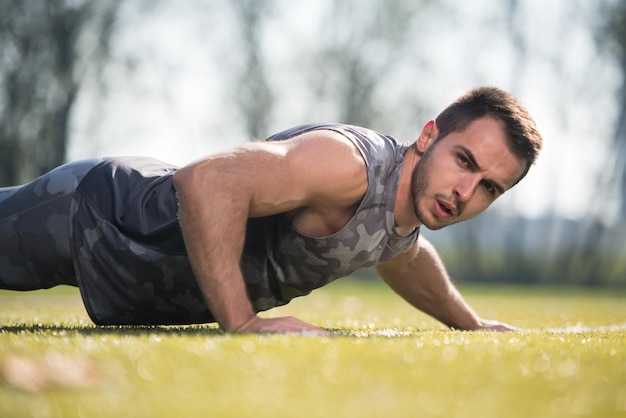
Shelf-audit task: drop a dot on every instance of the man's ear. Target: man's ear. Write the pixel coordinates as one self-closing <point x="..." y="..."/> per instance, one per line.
<point x="427" y="137"/>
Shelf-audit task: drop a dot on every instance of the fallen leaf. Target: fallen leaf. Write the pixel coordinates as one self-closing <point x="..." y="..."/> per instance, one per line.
<point x="36" y="374"/>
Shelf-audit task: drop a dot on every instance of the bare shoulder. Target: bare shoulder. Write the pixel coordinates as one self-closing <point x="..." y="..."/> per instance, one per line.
<point x="326" y="138"/>
<point x="327" y="153"/>
<point x="315" y="169"/>
<point x="328" y="166"/>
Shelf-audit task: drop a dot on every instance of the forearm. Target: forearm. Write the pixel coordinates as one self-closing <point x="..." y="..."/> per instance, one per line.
<point x="451" y="309"/>
<point x="214" y="236"/>
<point x="439" y="296"/>
<point x="219" y="278"/>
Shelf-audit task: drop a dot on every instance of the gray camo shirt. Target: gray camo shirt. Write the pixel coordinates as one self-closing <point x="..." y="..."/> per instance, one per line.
<point x="130" y="257"/>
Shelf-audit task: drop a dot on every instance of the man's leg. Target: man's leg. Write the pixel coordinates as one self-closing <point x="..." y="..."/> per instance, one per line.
<point x="34" y="229"/>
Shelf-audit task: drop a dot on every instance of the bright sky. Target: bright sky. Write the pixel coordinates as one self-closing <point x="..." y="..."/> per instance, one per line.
<point x="174" y="106"/>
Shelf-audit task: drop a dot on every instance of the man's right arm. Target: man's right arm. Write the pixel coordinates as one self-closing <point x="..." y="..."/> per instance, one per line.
<point x="218" y="194"/>
<point x="420" y="277"/>
<point x="213" y="239"/>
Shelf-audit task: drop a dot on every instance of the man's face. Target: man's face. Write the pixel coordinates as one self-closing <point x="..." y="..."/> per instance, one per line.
<point x="460" y="175"/>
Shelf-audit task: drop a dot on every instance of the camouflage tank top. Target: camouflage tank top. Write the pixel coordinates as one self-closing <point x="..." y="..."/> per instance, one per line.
<point x="280" y="263"/>
<point x="130" y="257"/>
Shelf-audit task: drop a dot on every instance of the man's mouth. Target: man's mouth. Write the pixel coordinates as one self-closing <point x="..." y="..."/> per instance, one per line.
<point x="444" y="208"/>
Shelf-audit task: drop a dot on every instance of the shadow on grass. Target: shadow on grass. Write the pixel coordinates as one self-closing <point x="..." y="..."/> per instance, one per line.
<point x="90" y="330"/>
<point x="185" y="330"/>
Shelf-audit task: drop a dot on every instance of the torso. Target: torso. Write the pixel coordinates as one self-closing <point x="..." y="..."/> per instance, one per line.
<point x="290" y="254"/>
<point x="141" y="255"/>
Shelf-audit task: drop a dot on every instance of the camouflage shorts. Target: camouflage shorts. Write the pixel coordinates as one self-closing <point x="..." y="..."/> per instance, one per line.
<point x="34" y="229"/>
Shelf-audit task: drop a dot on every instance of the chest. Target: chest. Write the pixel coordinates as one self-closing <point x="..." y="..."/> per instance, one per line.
<point x="365" y="240"/>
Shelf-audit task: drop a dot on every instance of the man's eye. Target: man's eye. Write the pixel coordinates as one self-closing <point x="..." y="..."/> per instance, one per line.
<point x="462" y="159"/>
<point x="489" y="187"/>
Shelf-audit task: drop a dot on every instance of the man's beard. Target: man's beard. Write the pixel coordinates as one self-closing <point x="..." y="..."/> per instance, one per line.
<point x="420" y="181"/>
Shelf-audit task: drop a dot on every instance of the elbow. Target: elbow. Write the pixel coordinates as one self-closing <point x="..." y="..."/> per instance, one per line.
<point x="189" y="187"/>
<point x="188" y="182"/>
<point x="182" y="177"/>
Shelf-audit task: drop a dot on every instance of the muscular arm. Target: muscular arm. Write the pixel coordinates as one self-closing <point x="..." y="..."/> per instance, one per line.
<point x="218" y="194"/>
<point x="419" y="276"/>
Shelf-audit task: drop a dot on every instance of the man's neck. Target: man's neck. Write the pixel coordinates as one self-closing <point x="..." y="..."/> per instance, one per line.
<point x="404" y="211"/>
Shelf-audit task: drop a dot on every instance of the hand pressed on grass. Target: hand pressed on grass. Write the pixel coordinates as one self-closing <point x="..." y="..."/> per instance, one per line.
<point x="281" y="325"/>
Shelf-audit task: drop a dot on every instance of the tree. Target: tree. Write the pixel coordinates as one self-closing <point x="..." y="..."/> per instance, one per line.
<point x="47" y="48"/>
<point x="615" y="30"/>
<point x="253" y="94"/>
<point x="361" y="47"/>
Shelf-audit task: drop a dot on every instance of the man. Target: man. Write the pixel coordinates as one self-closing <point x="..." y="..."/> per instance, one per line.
<point x="246" y="230"/>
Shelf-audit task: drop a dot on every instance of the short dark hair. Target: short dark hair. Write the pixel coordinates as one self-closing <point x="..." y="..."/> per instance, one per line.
<point x="522" y="135"/>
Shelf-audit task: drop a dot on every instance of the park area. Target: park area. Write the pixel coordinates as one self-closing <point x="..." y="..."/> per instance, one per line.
<point x="383" y="360"/>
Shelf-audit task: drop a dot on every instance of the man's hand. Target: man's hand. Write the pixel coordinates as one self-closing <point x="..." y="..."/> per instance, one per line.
<point x="282" y="325"/>
<point x="490" y="325"/>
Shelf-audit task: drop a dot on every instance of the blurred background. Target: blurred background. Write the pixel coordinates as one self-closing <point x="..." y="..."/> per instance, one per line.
<point x="177" y="80"/>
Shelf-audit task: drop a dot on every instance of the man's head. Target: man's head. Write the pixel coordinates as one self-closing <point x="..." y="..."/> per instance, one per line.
<point x="477" y="148"/>
<point x="520" y="131"/>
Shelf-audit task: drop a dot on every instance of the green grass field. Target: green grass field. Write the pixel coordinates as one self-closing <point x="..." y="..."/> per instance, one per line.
<point x="385" y="360"/>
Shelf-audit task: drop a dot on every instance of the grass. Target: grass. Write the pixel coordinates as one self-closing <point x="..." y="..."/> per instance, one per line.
<point x="385" y="360"/>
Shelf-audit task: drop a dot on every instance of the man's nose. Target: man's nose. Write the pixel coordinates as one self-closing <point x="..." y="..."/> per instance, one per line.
<point x="466" y="187"/>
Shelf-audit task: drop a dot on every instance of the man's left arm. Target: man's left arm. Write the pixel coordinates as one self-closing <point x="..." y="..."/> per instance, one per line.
<point x="420" y="277"/>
